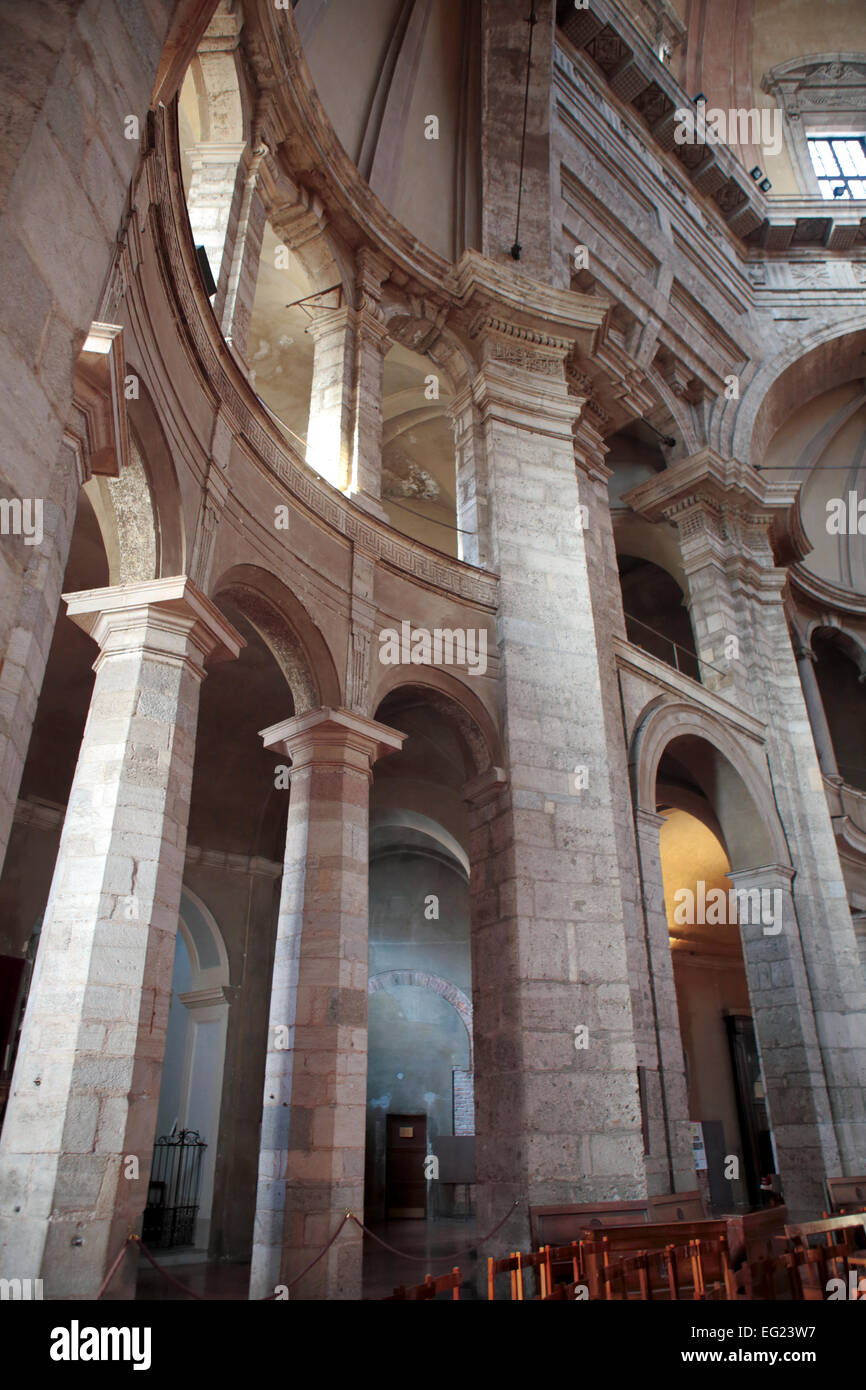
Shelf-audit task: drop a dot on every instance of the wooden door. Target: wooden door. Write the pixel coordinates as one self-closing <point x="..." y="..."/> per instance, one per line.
<point x="405" y="1183"/>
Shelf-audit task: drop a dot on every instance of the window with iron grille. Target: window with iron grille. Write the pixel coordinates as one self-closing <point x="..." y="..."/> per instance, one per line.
<point x="839" y="162"/>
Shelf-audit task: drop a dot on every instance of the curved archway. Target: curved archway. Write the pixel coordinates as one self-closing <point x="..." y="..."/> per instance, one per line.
<point x="840" y="671"/>
<point x="288" y="631"/>
<point x="454" y="700"/>
<point x="656" y="616"/>
<point x="678" y="748"/>
<point x="826" y="358"/>
<point x="732" y="778"/>
<point x="420" y="948"/>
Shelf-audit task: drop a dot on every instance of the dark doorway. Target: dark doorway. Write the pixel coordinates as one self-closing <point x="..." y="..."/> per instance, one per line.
<point x="751" y="1107"/>
<point x="405" y="1183"/>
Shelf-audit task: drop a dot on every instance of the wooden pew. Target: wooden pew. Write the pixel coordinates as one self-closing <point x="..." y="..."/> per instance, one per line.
<point x="443" y="1283"/>
<point x="851" y="1224"/>
<point x="559" y="1224"/>
<point x="811" y="1268"/>
<point x="705" y="1241"/>
<point x="677" y="1206"/>
<point x="516" y="1264"/>
<point x="752" y="1236"/>
<point x="768" y="1279"/>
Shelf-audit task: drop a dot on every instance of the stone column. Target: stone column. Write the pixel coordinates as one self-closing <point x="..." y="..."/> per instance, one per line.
<point x="86" y="1084"/>
<point x="329" y="428"/>
<point x="311" y="1163"/>
<point x="798" y="1101"/>
<point x="213" y="201"/>
<point x="235" y="298"/>
<point x="817" y="716"/>
<point x="557" y="1101"/>
<point x="473" y="540"/>
<point x="371" y="345"/>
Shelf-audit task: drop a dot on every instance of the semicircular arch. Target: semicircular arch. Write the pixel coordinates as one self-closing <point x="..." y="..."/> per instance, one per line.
<point x="736" y="783"/>
<point x="286" y="628"/>
<point x="452" y="699"/>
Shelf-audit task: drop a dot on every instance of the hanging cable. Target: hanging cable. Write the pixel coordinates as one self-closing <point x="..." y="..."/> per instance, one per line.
<point x="532" y="21"/>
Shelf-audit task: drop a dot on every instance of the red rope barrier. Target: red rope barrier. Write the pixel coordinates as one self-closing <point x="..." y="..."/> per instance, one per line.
<point x="350" y="1216"/>
<point x="434" y="1259"/>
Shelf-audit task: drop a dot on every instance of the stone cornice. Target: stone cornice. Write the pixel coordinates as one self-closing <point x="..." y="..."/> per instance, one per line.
<point x="166" y="617"/>
<point x="274" y="49"/>
<point x="336" y="736"/>
<point x="826" y="594"/>
<point x="729" y="488"/>
<point x="502" y="300"/>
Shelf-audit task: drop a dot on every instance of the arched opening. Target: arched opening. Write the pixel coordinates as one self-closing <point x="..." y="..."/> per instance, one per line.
<point x="192" y="1071"/>
<point x="217" y="1022"/>
<point x="656" y="617"/>
<point x="652" y="580"/>
<point x="212" y="129"/>
<point x="281" y="345"/>
<point x="688" y="762"/>
<point x="819" y="444"/>
<point x="421" y="1028"/>
<point x="840" y="678"/>
<point x="725" y="1089"/>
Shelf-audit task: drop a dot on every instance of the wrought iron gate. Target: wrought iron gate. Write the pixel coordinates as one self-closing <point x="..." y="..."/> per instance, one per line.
<point x="172" y="1198"/>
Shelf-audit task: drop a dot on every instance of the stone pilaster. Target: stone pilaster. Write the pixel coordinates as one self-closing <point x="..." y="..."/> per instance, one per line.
<point x="363" y="625"/>
<point x="34" y="615"/>
<point x="817" y="715"/>
<point x="797" y="1096"/>
<point x="213" y="202"/>
<point x="234" y="301"/>
<point x="473" y="538"/>
<point x="311" y="1164"/>
<point x="86" y="1084"/>
<point x="669" y="1162"/>
<point x="558" y="1113"/>
<point x="371" y="345"/>
<point x="329" y="428"/>
<point x="667" y="1093"/>
<point x="214" y="498"/>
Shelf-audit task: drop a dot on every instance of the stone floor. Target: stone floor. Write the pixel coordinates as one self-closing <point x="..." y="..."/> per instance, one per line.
<point x="432" y="1244"/>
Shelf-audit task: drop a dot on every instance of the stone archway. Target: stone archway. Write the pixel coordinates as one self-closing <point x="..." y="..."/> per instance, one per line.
<point x="794" y="1058"/>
